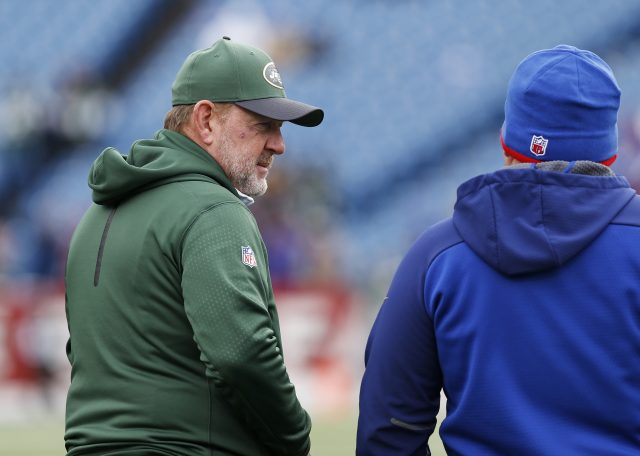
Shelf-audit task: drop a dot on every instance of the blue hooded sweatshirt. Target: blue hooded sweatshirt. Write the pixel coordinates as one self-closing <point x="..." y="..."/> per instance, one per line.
<point x="524" y="308"/>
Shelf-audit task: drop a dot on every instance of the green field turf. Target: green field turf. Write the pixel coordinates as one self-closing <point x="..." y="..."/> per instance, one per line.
<point x="38" y="438"/>
<point x="337" y="437"/>
<point x="330" y="437"/>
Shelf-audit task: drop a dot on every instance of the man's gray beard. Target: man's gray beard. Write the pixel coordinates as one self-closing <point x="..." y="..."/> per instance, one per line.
<point x="241" y="170"/>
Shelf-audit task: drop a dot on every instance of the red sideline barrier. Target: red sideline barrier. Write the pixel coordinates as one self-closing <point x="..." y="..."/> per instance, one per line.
<point x="322" y="330"/>
<point x="313" y="320"/>
<point x="26" y="310"/>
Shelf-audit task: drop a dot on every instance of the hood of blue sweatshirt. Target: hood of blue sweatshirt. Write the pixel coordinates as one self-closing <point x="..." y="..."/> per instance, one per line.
<point x="526" y="220"/>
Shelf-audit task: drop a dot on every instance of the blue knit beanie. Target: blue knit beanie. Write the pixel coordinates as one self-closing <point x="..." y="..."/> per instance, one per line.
<point x="562" y="104"/>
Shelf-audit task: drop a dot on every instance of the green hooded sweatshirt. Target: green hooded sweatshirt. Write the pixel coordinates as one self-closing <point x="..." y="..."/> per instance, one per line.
<point x="174" y="342"/>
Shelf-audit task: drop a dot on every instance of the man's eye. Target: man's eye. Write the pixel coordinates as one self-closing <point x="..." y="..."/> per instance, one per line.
<point x="266" y="126"/>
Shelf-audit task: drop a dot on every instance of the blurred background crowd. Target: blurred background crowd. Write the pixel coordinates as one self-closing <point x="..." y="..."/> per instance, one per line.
<point x="413" y="92"/>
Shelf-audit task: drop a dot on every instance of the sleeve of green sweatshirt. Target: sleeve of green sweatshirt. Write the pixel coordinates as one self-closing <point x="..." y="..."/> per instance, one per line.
<point x="227" y="303"/>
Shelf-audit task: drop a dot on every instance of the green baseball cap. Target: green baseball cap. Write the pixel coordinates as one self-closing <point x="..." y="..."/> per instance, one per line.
<point x="244" y="75"/>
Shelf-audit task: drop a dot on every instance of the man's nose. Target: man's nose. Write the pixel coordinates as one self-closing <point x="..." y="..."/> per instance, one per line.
<point x="276" y="142"/>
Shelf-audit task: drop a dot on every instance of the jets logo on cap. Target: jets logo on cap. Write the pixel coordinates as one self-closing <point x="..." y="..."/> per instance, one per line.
<point x="538" y="145"/>
<point x="271" y="75"/>
<point x="248" y="257"/>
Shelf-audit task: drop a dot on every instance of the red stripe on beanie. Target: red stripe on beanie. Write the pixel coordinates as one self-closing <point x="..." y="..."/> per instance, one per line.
<point x="609" y="161"/>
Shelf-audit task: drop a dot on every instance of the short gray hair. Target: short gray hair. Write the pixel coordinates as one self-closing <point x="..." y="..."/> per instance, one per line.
<point x="180" y="115"/>
<point x="177" y="117"/>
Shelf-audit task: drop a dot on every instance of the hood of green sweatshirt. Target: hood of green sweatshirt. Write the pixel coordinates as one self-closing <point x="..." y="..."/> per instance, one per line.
<point x="168" y="157"/>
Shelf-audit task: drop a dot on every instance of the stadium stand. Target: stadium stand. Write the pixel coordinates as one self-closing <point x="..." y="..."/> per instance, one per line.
<point x="413" y="90"/>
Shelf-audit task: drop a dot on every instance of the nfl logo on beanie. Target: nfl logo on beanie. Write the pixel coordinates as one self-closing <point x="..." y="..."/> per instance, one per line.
<point x="562" y="104"/>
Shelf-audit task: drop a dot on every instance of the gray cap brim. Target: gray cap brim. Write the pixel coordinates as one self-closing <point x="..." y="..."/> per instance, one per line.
<point x="285" y="109"/>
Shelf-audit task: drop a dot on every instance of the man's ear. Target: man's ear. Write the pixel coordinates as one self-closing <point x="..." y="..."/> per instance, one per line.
<point x="203" y="124"/>
<point x="509" y="160"/>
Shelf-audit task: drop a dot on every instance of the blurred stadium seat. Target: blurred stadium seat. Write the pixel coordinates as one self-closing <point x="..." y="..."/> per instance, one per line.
<point x="41" y="39"/>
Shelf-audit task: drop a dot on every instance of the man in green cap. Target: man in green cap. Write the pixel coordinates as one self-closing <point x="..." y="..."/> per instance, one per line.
<point x="175" y="344"/>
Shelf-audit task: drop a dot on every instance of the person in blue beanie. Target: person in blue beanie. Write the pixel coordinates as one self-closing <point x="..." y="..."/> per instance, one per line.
<point x="524" y="306"/>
